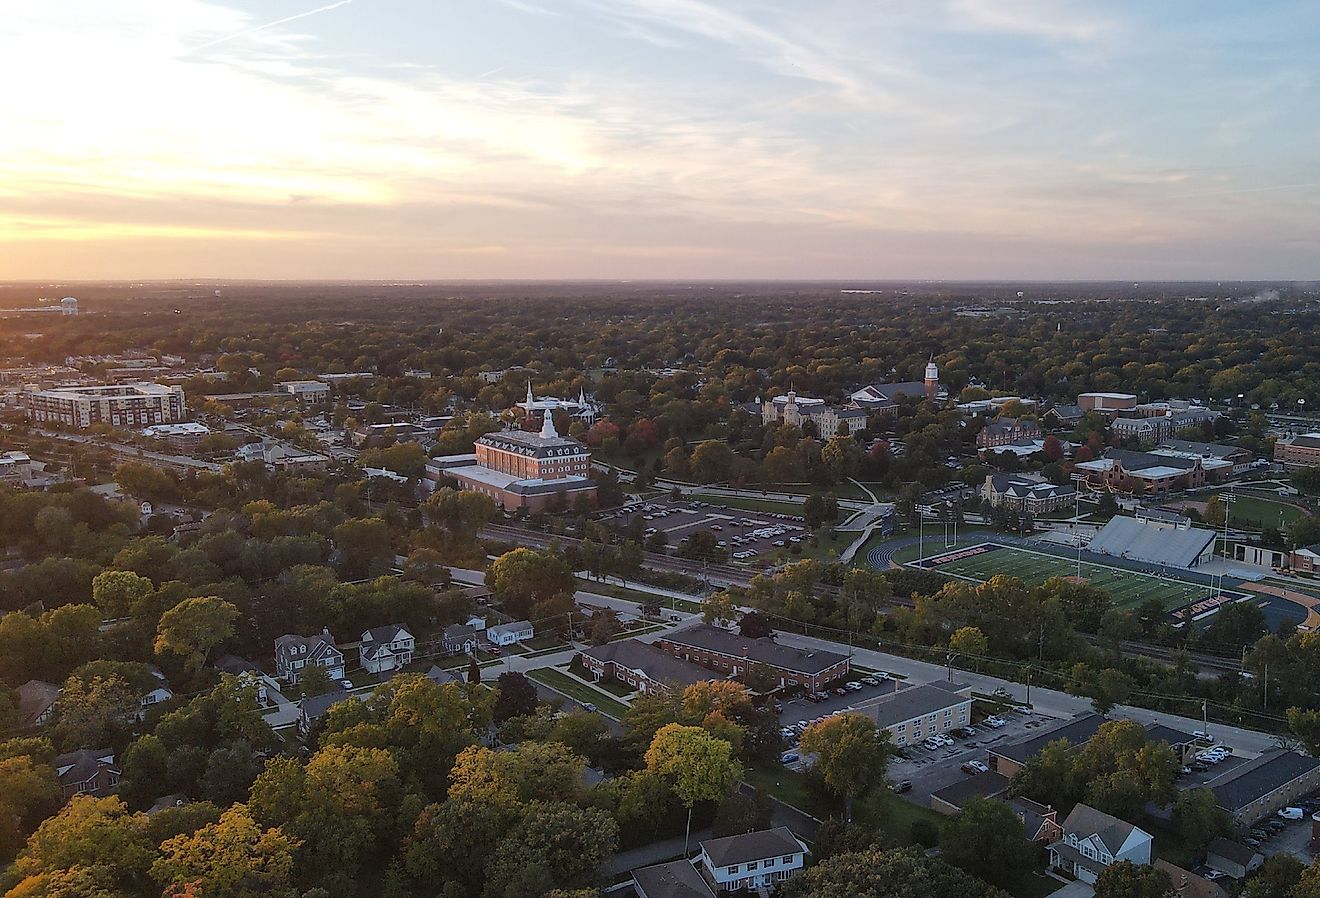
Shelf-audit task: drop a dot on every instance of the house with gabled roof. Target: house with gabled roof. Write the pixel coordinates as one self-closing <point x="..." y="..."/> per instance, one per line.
<point x="753" y="860"/>
<point x="675" y="879"/>
<point x="386" y="648"/>
<point x="87" y="771"/>
<point x="36" y="703"/>
<point x="294" y="653"/>
<point x="1092" y="840"/>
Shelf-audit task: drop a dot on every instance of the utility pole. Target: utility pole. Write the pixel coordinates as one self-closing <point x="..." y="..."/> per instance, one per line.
<point x="1028" y="684"/>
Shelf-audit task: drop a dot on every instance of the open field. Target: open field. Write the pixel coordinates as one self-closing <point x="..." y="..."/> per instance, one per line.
<point x="1128" y="588"/>
<point x="1258" y="513"/>
<point x="571" y="686"/>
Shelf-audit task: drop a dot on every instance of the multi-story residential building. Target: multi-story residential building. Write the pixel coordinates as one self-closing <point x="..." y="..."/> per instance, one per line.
<point x="915" y="714"/>
<point x="131" y="406"/>
<point x="642" y="666"/>
<point x="15" y="467"/>
<point x="310" y="391"/>
<point x="528" y="470"/>
<point x="1296" y="451"/>
<point x="386" y="648"/>
<point x="756" y="860"/>
<point x="795" y="410"/>
<point x="1124" y="471"/>
<point x="294" y="653"/>
<point x="733" y="655"/>
<point x="1256" y="789"/>
<point x="1092" y="840"/>
<point x="1026" y="492"/>
<point x="1002" y="431"/>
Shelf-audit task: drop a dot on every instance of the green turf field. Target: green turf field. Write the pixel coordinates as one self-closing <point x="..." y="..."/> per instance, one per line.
<point x="1128" y="589"/>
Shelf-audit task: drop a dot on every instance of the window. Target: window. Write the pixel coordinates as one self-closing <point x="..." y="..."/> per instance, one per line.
<point x="788" y="858"/>
<point x="731" y="870"/>
<point x="751" y="865"/>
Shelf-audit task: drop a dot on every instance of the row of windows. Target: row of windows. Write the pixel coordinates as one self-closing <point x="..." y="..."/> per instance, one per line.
<point x="752" y="866"/>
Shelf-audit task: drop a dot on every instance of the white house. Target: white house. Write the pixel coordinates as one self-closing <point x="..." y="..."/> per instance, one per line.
<point x="160" y="691"/>
<point x="293" y="653"/>
<point x="386" y="648"/>
<point x="1092" y="840"/>
<point x="753" y="860"/>
<point x="511" y="633"/>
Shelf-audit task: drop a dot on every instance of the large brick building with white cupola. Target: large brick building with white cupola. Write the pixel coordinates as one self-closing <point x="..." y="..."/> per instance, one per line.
<point x="528" y="470"/>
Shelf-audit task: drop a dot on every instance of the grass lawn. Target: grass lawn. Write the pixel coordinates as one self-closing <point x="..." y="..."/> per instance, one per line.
<point x="614" y="686"/>
<point x="1128" y="588"/>
<point x="788" y="786"/>
<point x="544" y="641"/>
<point x="1258" y="513"/>
<point x="640" y="596"/>
<point x="894" y="816"/>
<point x="1037" y="885"/>
<point x="574" y="688"/>
<point x="748" y="503"/>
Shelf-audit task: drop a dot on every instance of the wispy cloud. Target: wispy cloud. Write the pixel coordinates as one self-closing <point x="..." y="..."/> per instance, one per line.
<point x="268" y="25"/>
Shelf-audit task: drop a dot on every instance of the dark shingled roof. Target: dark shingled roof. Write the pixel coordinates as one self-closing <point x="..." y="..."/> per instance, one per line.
<point x="918" y="701"/>
<point x="676" y="879"/>
<point x="1258" y="777"/>
<point x="983" y="785"/>
<point x="1231" y="851"/>
<point x="655" y="663"/>
<point x="751" y="846"/>
<point x="1076" y="730"/>
<point x="315" y="706"/>
<point x="765" y="650"/>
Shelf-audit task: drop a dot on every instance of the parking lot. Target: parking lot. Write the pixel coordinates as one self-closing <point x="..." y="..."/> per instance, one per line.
<point x="745" y="534"/>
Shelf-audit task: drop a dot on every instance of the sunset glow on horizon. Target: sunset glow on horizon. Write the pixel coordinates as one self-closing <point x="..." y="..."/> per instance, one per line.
<point x="659" y="138"/>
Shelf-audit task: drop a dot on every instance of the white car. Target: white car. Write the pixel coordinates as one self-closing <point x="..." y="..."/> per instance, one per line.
<point x="995" y="721"/>
<point x="1292" y="813"/>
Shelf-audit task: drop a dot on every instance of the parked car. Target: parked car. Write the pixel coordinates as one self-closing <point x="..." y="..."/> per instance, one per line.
<point x="853" y="687"/>
<point x="995" y="721"/>
<point x="789" y="757"/>
<point x="840" y="691"/>
<point x="1292" y="813"/>
<point x="347" y="684"/>
<point x="974" y="767"/>
<point x="902" y="786"/>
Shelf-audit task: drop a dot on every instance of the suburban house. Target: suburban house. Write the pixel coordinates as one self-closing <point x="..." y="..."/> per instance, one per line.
<point x="1026" y="492"/>
<point x="1255" y="789"/>
<point x="1002" y="431"/>
<point x="248" y="674"/>
<point x="510" y="633"/>
<point x="36" y="703"/>
<point x="642" y="666"/>
<point x="752" y="860"/>
<point x="676" y="879"/>
<point x="1040" y="823"/>
<point x="461" y="639"/>
<point x="441" y="677"/>
<point x="919" y="712"/>
<point x="87" y="772"/>
<point x="293" y="653"/>
<point x="1092" y="840"/>
<point x="731" y="654"/>
<point x="159" y="692"/>
<point x="386" y="648"/>
<point x="1232" y="858"/>
<point x="314" y="707"/>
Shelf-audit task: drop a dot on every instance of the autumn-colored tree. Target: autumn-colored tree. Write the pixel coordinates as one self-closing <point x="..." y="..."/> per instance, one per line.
<point x="193" y="627"/>
<point x="851" y="755"/>
<point x="700" y="767"/>
<point x="234" y="858"/>
<point x="120" y="593"/>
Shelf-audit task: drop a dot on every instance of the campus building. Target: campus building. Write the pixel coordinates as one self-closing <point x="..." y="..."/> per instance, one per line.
<point x="794" y="410"/>
<point x="185" y="436"/>
<point x="1107" y="404"/>
<point x="130" y="406"/>
<point x="1002" y="431"/>
<point x="1220" y="462"/>
<point x="728" y="653"/>
<point x="883" y="398"/>
<point x="310" y="391"/>
<point x="583" y="408"/>
<point x="1298" y="451"/>
<point x="1124" y="471"/>
<point x="1025" y="492"/>
<point x="528" y="470"/>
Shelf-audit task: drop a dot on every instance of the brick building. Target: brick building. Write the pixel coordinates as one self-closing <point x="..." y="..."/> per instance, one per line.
<point x="1124" y="471"/>
<point x="1003" y="431"/>
<point x="528" y="470"/>
<point x="131" y="406"/>
<point x="1298" y="451"/>
<point x="732" y="655"/>
<point x="793" y="409"/>
<point x="642" y="666"/>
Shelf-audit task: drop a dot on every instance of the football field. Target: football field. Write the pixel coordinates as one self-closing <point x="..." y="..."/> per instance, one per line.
<point x="1128" y="588"/>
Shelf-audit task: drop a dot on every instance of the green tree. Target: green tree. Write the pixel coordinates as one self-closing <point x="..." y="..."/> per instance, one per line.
<point x="875" y="873"/>
<point x="1128" y="880"/>
<point x="95" y="834"/>
<point x="1305" y="725"/>
<point x="462" y="513"/>
<point x="712" y="461"/>
<point x="556" y="845"/>
<point x="523" y="577"/>
<point x="315" y="680"/>
<point x="93" y="712"/>
<point x="969" y="641"/>
<point x="193" y="627"/>
<point x="120" y="593"/>
<point x="1276" y="878"/>
<point x="699" y="766"/>
<point x="851" y="755"/>
<point x="515" y="696"/>
<point x="986" y="840"/>
<point x="1198" y="818"/>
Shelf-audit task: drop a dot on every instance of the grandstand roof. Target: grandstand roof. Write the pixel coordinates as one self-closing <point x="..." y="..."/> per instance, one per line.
<point x="1125" y="537"/>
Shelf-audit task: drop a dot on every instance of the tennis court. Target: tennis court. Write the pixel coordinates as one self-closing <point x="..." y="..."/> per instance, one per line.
<point x="1128" y="588"/>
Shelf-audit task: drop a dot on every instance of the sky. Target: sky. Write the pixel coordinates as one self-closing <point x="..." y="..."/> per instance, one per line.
<point x="851" y="139"/>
